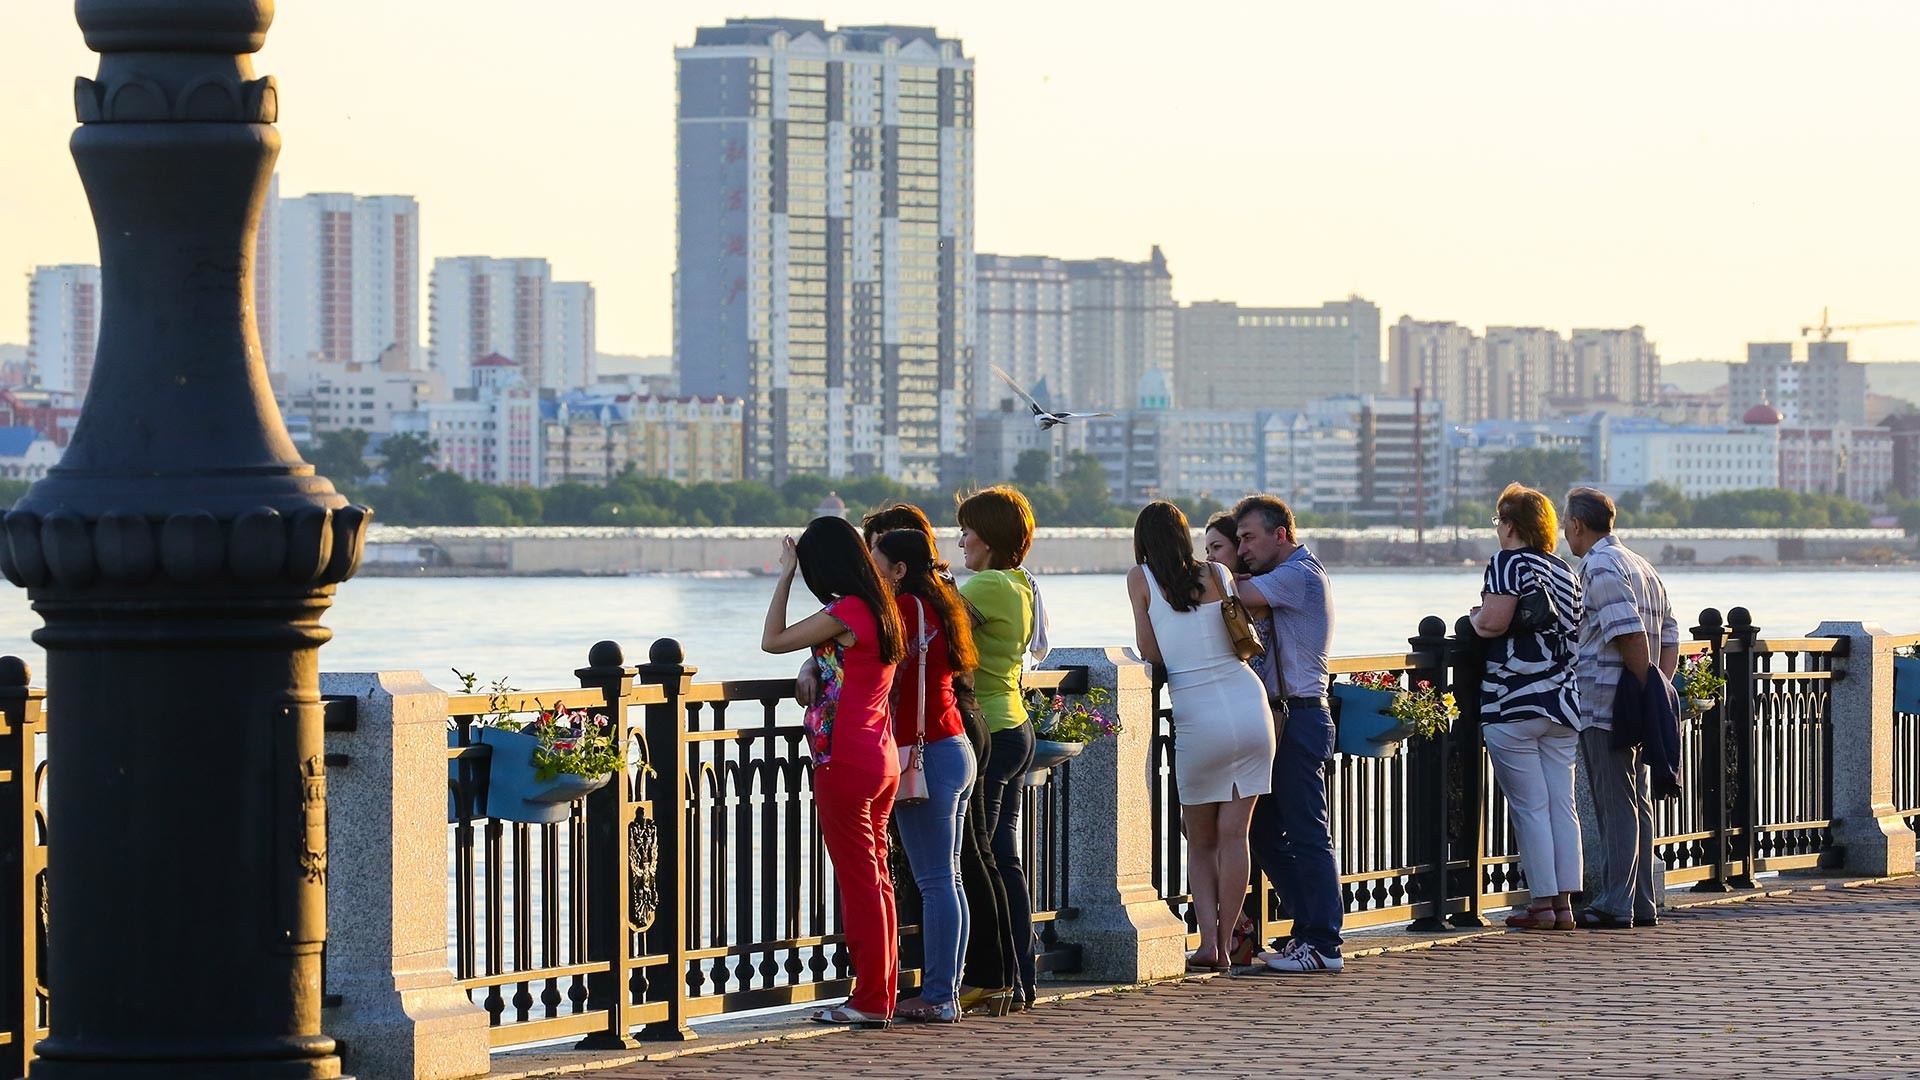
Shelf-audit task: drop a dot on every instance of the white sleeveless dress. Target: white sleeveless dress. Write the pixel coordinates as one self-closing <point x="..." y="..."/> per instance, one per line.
<point x="1222" y="729"/>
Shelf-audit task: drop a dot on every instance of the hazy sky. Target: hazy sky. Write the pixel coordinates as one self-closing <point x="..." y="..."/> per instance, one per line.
<point x="1714" y="171"/>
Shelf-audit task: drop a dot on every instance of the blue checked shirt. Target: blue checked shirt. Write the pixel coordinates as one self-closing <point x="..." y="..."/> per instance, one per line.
<point x="1619" y="594"/>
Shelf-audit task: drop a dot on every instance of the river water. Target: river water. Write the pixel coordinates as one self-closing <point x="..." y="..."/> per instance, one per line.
<point x="536" y="631"/>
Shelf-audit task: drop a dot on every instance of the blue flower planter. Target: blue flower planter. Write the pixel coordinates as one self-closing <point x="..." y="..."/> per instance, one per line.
<point x="1047" y="754"/>
<point x="513" y="792"/>
<point x="1361" y="724"/>
<point x="1906" y="684"/>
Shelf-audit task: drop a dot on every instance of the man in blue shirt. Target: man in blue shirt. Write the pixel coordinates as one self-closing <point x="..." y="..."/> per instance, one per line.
<point x="1288" y="596"/>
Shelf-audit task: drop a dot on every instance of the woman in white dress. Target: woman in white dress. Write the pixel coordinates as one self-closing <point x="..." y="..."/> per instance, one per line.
<point x="1223" y="731"/>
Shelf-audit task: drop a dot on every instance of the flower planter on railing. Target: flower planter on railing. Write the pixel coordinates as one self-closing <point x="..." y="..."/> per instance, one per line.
<point x="1361" y="723"/>
<point x="1046" y="755"/>
<point x="1906" y="684"/>
<point x="514" y="790"/>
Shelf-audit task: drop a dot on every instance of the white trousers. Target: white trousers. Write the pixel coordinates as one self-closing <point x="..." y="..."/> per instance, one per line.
<point x="1533" y="761"/>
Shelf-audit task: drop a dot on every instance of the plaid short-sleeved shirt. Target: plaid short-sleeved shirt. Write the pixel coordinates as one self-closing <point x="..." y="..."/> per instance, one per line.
<point x="1619" y="594"/>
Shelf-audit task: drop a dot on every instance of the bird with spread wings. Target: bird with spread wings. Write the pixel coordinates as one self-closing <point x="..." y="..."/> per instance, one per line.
<point x="1044" y="418"/>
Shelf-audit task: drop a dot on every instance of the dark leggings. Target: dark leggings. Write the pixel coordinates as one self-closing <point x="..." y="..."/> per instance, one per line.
<point x="991" y="960"/>
<point x="1004" y="779"/>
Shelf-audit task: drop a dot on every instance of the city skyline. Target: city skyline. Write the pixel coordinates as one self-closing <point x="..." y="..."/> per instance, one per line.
<point x="1752" y="170"/>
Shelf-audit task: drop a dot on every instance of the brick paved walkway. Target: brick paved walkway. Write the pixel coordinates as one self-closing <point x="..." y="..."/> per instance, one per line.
<point x="1814" y="983"/>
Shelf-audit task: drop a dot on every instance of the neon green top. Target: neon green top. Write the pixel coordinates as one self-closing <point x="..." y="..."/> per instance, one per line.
<point x="1004" y="600"/>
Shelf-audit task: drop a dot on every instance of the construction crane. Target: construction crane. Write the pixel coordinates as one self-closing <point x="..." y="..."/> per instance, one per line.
<point x="1826" y="329"/>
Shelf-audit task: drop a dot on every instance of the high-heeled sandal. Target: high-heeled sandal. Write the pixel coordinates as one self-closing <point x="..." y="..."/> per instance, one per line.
<point x="988" y="1001"/>
<point x="1554" y="918"/>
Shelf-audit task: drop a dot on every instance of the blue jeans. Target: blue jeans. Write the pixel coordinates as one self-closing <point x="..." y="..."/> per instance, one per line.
<point x="930" y="833"/>
<point x="1289" y="838"/>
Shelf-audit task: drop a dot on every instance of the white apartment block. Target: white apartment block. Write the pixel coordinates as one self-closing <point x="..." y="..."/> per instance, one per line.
<point x="369" y="398"/>
<point x="492" y="434"/>
<point x="1025" y="328"/>
<point x="1696" y="461"/>
<point x="63" y="325"/>
<point x="1856" y="462"/>
<point x="571" y="337"/>
<point x="1165" y="453"/>
<point x="347" y="269"/>
<point x="482" y="306"/>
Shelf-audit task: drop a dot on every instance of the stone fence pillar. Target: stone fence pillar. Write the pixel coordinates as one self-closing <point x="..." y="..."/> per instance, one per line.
<point x="1878" y="843"/>
<point x="399" y="1014"/>
<point x="1125" y="930"/>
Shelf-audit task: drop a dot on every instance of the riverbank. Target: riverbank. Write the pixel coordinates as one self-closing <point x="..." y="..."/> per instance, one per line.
<point x="737" y="552"/>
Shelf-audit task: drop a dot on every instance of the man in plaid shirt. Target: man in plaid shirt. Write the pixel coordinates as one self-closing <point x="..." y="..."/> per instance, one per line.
<point x="1626" y="626"/>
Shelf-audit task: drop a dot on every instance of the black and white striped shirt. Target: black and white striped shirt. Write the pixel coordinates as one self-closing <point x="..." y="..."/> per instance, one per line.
<point x="1530" y="675"/>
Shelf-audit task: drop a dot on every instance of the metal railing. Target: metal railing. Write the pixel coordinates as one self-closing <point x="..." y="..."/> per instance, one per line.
<point x="723" y="898"/>
<point x="1424" y="836"/>
<point x="1906" y="737"/>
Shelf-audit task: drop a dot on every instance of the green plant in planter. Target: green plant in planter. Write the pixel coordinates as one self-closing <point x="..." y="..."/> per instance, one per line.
<point x="1423" y="710"/>
<point x="1695" y="680"/>
<point x="571" y="742"/>
<point x="1081" y="720"/>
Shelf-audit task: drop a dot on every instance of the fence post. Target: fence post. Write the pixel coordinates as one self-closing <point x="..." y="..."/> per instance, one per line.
<point x="1737" y="656"/>
<point x="1711" y="777"/>
<point x="1124" y="929"/>
<point x="1427" y="776"/>
<point x="1860" y="713"/>
<point x="666" y="668"/>
<point x="1463" y="804"/>
<point x="386" y="961"/>
<point x="20" y="705"/>
<point x="609" y="812"/>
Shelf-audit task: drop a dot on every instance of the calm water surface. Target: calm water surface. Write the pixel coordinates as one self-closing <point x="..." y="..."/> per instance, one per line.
<point x="536" y="631"/>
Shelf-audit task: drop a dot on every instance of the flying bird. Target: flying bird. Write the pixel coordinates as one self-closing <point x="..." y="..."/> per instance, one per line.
<point x="1044" y="418"/>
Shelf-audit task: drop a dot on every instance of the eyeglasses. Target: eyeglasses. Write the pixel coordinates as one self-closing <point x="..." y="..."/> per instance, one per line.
<point x="1498" y="520"/>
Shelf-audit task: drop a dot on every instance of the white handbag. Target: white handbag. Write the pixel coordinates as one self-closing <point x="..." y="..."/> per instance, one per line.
<point x="913" y="759"/>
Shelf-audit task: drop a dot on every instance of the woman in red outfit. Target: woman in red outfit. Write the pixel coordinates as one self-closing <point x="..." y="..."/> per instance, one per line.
<point x="856" y="641"/>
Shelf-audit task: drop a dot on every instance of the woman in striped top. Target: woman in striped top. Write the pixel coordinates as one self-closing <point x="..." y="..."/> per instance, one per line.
<point x="1527" y="703"/>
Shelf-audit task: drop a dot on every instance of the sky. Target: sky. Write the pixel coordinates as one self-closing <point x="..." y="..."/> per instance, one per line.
<point x="1715" y="171"/>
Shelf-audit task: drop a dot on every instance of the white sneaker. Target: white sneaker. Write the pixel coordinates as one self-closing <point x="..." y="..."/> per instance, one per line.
<point x="1300" y="958"/>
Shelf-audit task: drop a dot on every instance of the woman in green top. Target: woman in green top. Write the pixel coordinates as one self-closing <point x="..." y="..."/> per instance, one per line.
<point x="996" y="529"/>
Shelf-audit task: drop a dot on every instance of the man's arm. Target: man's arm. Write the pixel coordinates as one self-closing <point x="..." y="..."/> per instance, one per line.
<point x="1633" y="653"/>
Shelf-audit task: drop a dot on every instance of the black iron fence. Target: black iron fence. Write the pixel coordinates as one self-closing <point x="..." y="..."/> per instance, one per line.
<point x="1906" y="736"/>
<point x="1423" y="836"/>
<point x="642" y="909"/>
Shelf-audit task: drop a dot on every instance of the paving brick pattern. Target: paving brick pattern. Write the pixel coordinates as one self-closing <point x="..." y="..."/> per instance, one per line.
<point x="1809" y="984"/>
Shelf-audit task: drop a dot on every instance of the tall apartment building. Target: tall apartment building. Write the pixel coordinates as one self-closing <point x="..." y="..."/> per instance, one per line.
<point x="347" y="274"/>
<point x="1235" y="357"/>
<point x="1402" y="455"/>
<point x="825" y="227"/>
<point x="481" y="306"/>
<point x="1608" y="366"/>
<point x="572" y="340"/>
<point x="1122" y="328"/>
<point x="1517" y="368"/>
<point x="1167" y="453"/>
<point x="1444" y="358"/>
<point x="63" y="325"/>
<point x="1825" y="390"/>
<point x="1024" y="326"/>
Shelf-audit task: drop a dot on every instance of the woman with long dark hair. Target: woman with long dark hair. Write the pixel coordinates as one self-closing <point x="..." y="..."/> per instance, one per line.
<point x="992" y="966"/>
<point x="856" y="641"/>
<point x="1222" y="730"/>
<point x="926" y="723"/>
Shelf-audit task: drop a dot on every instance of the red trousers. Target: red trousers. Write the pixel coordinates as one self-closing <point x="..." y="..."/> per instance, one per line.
<point x="854" y="805"/>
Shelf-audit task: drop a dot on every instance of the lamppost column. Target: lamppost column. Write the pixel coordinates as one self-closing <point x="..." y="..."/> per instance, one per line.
<point x="181" y="556"/>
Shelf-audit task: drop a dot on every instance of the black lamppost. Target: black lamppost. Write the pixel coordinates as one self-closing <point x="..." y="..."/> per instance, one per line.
<point x="181" y="556"/>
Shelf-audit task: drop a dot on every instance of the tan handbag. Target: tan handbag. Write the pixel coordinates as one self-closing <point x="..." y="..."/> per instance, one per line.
<point x="913" y="759"/>
<point x="1246" y="642"/>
